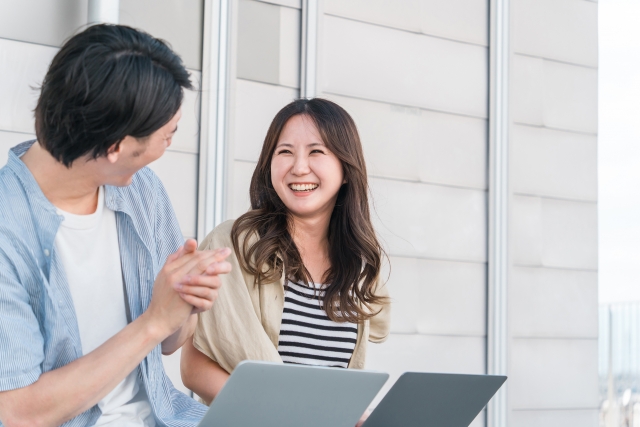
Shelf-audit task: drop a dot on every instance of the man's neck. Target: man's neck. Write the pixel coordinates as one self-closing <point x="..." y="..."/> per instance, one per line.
<point x="73" y="190"/>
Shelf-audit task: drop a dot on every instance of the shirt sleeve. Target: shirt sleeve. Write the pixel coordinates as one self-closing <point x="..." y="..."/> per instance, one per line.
<point x="21" y="342"/>
<point x="168" y="234"/>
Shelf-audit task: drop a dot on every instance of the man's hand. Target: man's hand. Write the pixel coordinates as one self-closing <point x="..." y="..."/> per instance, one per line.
<point x="186" y="284"/>
<point x="200" y="288"/>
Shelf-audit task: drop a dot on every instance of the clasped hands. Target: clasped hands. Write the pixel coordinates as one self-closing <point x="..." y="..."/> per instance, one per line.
<point x="187" y="284"/>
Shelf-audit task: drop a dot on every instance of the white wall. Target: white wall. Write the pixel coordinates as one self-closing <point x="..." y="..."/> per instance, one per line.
<point x="553" y="226"/>
<point x="414" y="77"/>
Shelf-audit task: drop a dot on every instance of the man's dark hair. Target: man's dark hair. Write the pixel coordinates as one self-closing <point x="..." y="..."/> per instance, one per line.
<point x="105" y="83"/>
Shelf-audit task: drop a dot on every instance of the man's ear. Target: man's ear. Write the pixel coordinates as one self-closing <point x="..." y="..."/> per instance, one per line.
<point x="114" y="152"/>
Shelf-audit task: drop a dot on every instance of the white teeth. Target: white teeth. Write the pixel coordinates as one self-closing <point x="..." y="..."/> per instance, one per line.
<point x="303" y="187"/>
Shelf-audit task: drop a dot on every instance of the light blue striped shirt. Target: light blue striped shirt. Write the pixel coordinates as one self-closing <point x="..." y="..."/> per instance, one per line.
<point x="38" y="326"/>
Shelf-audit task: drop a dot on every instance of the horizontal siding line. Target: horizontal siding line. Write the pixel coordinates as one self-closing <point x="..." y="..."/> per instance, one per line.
<point x="269" y="84"/>
<point x="275" y="2"/>
<point x="28" y="42"/>
<point x="245" y="161"/>
<point x="595" y="408"/>
<point x="426" y="258"/>
<point x="438" y="335"/>
<point x="564" y="199"/>
<point x="180" y="151"/>
<point x="438" y="184"/>
<point x="404" y="30"/>
<point x="17" y="132"/>
<point x="523" y="338"/>
<point x="549" y="267"/>
<point x="378" y="101"/>
<point x="579" y="132"/>
<point x="558" y="61"/>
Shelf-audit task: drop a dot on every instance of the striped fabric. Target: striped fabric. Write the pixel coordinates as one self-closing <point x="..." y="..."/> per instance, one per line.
<point x="38" y="326"/>
<point x="308" y="336"/>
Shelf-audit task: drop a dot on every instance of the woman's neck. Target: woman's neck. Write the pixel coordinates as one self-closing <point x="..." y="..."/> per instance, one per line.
<point x="311" y="238"/>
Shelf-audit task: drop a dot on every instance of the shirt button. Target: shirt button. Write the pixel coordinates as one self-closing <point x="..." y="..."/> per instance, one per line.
<point x="46" y="252"/>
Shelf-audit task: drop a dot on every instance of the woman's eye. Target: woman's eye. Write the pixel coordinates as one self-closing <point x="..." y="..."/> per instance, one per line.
<point x="317" y="151"/>
<point x="284" y="152"/>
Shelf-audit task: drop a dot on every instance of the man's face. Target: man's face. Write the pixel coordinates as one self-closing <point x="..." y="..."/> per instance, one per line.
<point x="133" y="154"/>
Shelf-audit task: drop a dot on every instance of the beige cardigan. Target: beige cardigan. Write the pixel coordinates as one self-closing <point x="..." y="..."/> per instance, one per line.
<point x="244" y="322"/>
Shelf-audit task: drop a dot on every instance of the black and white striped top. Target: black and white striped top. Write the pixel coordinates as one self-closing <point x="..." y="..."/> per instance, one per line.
<point x="308" y="336"/>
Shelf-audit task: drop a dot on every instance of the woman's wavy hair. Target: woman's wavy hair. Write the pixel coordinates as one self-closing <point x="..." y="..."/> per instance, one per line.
<point x="354" y="251"/>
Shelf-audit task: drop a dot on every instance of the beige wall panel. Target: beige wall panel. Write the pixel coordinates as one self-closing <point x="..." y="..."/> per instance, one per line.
<point x="527" y="94"/>
<point x="555" y="95"/>
<point x="437" y="297"/>
<point x="390" y="136"/>
<point x="554" y="233"/>
<point x="564" y="30"/>
<point x="179" y="22"/>
<point x="364" y="60"/>
<point x="403" y="15"/>
<point x="290" y="47"/>
<point x="553" y="374"/>
<point x="48" y="22"/>
<point x="571" y="97"/>
<point x="558" y="418"/>
<point x="9" y="140"/>
<point x="464" y="20"/>
<point x="553" y="303"/>
<point x="188" y="135"/>
<point x="258" y="51"/>
<point x="256" y="105"/>
<point x="554" y="163"/>
<point x="421" y="145"/>
<point x="238" y="198"/>
<point x="296" y="4"/>
<point x="430" y="221"/>
<point x="172" y="368"/>
<point x="179" y="174"/>
<point x="22" y="67"/>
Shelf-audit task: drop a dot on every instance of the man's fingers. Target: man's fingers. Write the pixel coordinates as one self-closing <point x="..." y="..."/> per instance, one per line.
<point x="199" y="304"/>
<point x="204" y="292"/>
<point x="190" y="245"/>
<point x="210" y="282"/>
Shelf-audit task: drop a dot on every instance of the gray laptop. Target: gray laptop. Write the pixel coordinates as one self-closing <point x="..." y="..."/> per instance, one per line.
<point x="434" y="400"/>
<point x="260" y="394"/>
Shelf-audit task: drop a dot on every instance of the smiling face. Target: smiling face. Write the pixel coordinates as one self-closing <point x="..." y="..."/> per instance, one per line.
<point x="304" y="172"/>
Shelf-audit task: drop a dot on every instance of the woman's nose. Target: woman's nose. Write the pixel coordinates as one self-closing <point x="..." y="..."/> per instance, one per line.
<point x="300" y="165"/>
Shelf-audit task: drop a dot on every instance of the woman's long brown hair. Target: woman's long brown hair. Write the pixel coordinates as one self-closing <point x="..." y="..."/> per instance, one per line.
<point x="354" y="251"/>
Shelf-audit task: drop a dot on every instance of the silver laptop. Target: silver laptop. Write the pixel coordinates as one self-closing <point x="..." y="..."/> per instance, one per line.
<point x="420" y="399"/>
<point x="261" y="394"/>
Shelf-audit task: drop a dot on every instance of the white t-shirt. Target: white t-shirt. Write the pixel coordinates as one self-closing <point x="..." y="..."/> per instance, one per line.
<point x="89" y="250"/>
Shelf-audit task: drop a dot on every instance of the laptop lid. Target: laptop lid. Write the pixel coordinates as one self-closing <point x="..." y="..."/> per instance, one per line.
<point x="261" y="394"/>
<point x="441" y="400"/>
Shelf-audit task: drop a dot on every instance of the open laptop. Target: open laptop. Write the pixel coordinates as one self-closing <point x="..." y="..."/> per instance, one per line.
<point x="261" y="394"/>
<point x="440" y="400"/>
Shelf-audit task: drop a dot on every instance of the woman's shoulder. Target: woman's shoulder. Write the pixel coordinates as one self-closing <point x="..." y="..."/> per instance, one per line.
<point x="219" y="236"/>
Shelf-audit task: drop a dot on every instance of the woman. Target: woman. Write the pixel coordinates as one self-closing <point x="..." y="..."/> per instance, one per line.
<point x="304" y="286"/>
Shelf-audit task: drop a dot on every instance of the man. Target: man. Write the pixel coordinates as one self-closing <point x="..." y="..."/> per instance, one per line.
<point x="95" y="281"/>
